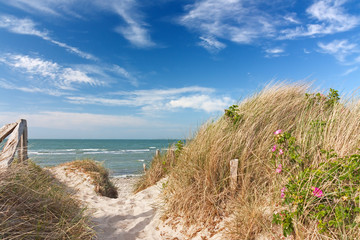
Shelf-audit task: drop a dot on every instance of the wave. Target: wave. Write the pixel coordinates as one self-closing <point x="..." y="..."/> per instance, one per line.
<point x="85" y="151"/>
<point x="52" y="153"/>
<point x="127" y="176"/>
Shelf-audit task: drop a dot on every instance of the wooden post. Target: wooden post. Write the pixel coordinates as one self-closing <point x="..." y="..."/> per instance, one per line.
<point x="157" y="153"/>
<point x="233" y="173"/>
<point x="23" y="145"/>
<point x="8" y="153"/>
<point x="144" y="166"/>
<point x="171" y="154"/>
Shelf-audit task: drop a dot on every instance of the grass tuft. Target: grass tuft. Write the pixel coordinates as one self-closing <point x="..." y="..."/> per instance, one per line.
<point x="160" y="166"/>
<point x="34" y="206"/>
<point x="99" y="175"/>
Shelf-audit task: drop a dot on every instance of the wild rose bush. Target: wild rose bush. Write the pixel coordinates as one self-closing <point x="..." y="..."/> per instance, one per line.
<point x="327" y="195"/>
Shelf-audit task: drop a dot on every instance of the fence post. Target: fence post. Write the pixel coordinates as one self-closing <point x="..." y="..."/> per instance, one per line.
<point x="171" y="154"/>
<point x="233" y="173"/>
<point x="157" y="153"/>
<point x="144" y="166"/>
<point x="23" y="145"/>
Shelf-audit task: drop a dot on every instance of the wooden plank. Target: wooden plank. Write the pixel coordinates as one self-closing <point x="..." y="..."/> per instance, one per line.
<point x="233" y="173"/>
<point x="23" y="145"/>
<point x="8" y="153"/>
<point x="6" y="130"/>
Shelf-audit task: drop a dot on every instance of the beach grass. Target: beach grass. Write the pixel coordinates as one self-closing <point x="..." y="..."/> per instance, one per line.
<point x="276" y="170"/>
<point x="160" y="167"/>
<point x="33" y="205"/>
<point x="98" y="174"/>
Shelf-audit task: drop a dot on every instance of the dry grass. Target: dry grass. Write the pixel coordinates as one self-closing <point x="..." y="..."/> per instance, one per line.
<point x="160" y="166"/>
<point x="198" y="185"/>
<point x="33" y="206"/>
<point x="99" y="175"/>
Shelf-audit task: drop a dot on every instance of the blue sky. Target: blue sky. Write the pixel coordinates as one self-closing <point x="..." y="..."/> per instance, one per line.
<point x="159" y="69"/>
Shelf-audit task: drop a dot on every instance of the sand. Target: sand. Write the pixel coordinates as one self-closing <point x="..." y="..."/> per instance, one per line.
<point x="130" y="216"/>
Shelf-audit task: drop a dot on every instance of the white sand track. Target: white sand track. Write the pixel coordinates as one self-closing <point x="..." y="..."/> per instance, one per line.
<point x="130" y="216"/>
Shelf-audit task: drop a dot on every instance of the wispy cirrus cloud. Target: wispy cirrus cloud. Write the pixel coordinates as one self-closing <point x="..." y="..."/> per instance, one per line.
<point x="245" y="22"/>
<point x="340" y="49"/>
<point x="26" y="26"/>
<point x="29" y="89"/>
<point x="231" y="19"/>
<point x="325" y="17"/>
<point x="134" y="29"/>
<point x="274" y="52"/>
<point x="43" y="72"/>
<point x="211" y="44"/>
<point x="198" y="98"/>
<point x="349" y="71"/>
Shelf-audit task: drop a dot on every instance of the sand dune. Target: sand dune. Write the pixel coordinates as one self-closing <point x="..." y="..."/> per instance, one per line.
<point x="130" y="216"/>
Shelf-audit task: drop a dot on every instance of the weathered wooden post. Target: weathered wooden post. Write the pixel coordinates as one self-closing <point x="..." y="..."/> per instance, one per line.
<point x="23" y="145"/>
<point x="157" y="153"/>
<point x="171" y="154"/>
<point x="17" y="139"/>
<point x="233" y="173"/>
<point x="144" y="166"/>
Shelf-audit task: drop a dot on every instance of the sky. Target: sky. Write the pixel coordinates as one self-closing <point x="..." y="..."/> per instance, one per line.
<point x="131" y="69"/>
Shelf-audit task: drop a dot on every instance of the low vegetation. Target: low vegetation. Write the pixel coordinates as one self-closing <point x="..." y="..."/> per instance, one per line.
<point x="160" y="167"/>
<point x="98" y="174"/>
<point x="298" y="171"/>
<point x="34" y="206"/>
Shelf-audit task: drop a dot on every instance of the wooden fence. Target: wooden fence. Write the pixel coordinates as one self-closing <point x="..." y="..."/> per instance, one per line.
<point x="18" y="140"/>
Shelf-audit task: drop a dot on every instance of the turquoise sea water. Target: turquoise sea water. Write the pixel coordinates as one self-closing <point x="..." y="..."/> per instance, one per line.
<point x="122" y="157"/>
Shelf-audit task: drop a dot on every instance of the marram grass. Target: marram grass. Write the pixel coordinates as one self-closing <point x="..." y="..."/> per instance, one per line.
<point x="98" y="174"/>
<point x="35" y="206"/>
<point x="198" y="189"/>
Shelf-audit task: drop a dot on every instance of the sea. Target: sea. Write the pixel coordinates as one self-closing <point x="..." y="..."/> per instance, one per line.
<point x="123" y="158"/>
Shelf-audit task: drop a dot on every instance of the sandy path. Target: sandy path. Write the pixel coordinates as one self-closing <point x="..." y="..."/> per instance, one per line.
<point x="130" y="216"/>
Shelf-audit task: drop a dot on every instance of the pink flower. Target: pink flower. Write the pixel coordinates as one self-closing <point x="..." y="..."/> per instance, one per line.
<point x="283" y="192"/>
<point x="317" y="192"/>
<point x="281" y="152"/>
<point x="274" y="148"/>
<point x="277" y="132"/>
<point x="279" y="168"/>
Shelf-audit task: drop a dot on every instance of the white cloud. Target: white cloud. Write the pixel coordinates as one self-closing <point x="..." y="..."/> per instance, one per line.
<point x="28" y="27"/>
<point x="291" y="18"/>
<point x="135" y="30"/>
<point x="340" y="49"/>
<point x="274" y="52"/>
<point x="229" y="19"/>
<point x="198" y="98"/>
<point x="244" y="22"/>
<point x="347" y="72"/>
<point x="330" y="17"/>
<point x="70" y="120"/>
<point x="7" y="85"/>
<point x="201" y="102"/>
<point x="48" y="72"/>
<point x="211" y="44"/>
<point x="127" y="75"/>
